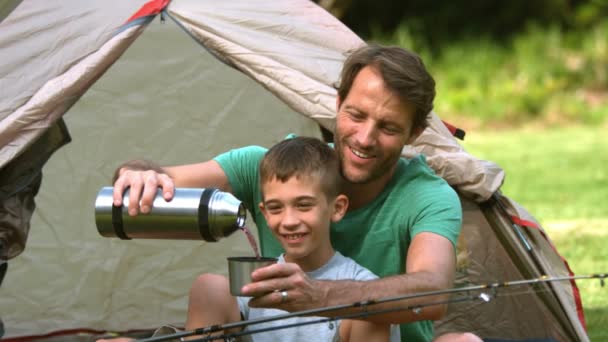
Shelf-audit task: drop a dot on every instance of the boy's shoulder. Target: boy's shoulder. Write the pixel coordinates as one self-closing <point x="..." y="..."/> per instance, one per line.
<point x="341" y="267"/>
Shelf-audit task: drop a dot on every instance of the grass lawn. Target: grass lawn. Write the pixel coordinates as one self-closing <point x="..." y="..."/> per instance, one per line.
<point x="561" y="176"/>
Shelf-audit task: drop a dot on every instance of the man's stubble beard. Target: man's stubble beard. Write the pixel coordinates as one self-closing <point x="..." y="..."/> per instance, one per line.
<point x="372" y="175"/>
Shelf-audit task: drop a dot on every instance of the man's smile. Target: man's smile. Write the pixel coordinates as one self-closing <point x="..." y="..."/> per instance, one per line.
<point x="361" y="154"/>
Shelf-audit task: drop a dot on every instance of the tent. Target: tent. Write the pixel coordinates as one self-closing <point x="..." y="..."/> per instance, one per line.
<point x="106" y="82"/>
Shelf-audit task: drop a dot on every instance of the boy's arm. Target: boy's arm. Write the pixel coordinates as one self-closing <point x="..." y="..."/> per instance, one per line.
<point x="430" y="267"/>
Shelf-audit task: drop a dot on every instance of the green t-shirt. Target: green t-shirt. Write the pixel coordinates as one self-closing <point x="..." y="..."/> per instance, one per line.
<point x="376" y="236"/>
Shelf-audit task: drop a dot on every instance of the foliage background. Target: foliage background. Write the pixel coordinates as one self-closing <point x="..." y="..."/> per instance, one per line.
<point x="509" y="63"/>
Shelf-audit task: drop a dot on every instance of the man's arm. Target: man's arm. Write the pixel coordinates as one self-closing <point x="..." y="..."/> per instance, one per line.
<point x="430" y="266"/>
<point x="145" y="177"/>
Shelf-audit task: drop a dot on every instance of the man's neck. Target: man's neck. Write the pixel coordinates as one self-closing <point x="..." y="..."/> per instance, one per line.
<point x="361" y="194"/>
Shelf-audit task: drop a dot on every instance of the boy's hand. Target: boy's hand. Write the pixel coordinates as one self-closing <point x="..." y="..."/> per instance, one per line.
<point x="285" y="287"/>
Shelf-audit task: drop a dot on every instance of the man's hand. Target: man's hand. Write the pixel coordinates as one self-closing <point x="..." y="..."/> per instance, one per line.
<point x="142" y="185"/>
<point x="302" y="292"/>
<point x="143" y="178"/>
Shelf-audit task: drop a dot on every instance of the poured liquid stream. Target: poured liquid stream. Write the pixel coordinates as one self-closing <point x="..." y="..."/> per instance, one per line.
<point x="252" y="242"/>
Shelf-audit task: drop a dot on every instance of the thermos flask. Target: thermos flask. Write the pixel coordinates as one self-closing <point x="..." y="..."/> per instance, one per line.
<point x="193" y="214"/>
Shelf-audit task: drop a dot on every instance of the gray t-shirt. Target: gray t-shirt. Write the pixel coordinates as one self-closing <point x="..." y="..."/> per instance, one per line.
<point x="338" y="267"/>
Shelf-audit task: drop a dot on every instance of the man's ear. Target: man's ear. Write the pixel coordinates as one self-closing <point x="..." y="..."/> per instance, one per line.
<point x="415" y="134"/>
<point x="340" y="207"/>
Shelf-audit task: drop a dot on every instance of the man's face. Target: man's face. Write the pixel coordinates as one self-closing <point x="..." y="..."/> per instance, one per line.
<point x="299" y="215"/>
<point x="372" y="126"/>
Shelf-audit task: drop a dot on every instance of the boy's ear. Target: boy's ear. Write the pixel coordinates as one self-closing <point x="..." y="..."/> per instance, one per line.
<point x="262" y="208"/>
<point x="340" y="206"/>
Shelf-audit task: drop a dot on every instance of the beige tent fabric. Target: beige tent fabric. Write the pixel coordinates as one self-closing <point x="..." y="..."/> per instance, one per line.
<point x="474" y="178"/>
<point x="47" y="64"/>
<point x="51" y="101"/>
<point x="297" y="65"/>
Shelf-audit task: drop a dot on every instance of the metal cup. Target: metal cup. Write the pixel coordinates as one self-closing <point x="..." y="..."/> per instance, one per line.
<point x="240" y="269"/>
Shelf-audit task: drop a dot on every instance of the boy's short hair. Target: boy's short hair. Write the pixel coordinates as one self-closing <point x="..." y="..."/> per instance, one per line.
<point x="303" y="156"/>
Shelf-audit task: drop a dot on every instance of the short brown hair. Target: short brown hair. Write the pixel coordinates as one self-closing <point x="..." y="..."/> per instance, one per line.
<point x="303" y="157"/>
<point x="403" y="72"/>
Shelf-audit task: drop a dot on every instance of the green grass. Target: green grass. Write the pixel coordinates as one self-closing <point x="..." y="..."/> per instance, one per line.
<point x="543" y="74"/>
<point x="561" y="176"/>
<point x="558" y="174"/>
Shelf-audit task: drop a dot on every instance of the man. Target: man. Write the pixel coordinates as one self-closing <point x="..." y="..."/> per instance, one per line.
<point x="403" y="220"/>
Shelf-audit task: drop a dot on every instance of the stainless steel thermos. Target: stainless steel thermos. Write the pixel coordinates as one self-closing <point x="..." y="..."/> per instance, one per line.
<point x="193" y="214"/>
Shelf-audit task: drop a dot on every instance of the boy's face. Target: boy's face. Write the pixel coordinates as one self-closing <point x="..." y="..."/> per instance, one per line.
<point x="299" y="215"/>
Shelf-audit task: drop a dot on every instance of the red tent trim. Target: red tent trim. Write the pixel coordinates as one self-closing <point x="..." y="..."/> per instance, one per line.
<point x="455" y="131"/>
<point x="150" y="8"/>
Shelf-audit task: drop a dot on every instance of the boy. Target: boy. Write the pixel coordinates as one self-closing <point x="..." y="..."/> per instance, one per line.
<point x="300" y="183"/>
